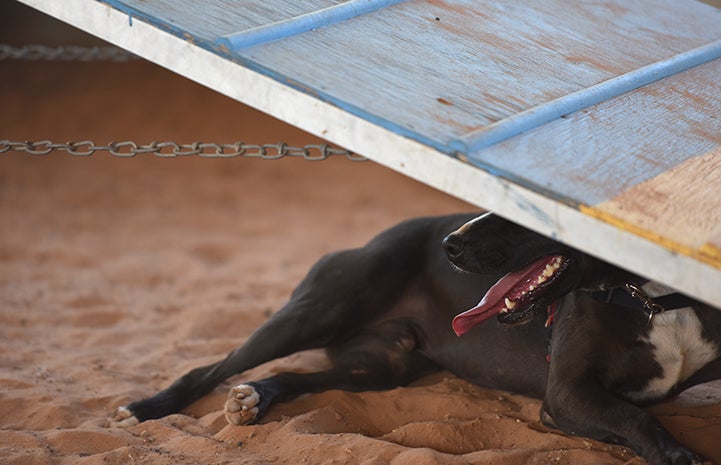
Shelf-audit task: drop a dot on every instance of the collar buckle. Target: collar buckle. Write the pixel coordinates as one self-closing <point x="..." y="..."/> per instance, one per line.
<point x="651" y="307"/>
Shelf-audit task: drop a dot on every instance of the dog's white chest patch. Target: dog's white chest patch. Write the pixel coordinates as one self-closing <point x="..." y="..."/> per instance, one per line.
<point x="679" y="347"/>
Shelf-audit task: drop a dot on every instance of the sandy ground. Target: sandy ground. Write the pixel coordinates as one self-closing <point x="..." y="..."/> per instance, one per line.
<point x="119" y="275"/>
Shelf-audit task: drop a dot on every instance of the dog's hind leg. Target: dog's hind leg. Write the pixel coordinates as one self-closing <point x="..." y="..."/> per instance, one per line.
<point x="340" y="294"/>
<point x="383" y="359"/>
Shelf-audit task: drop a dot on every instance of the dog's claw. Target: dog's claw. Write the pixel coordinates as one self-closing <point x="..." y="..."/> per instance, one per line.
<point x="240" y="408"/>
<point x="123" y="418"/>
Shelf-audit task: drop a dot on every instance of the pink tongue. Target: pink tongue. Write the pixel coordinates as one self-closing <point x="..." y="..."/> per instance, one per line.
<point x="491" y="303"/>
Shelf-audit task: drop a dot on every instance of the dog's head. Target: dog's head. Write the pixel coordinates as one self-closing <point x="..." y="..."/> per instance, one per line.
<point x="538" y="270"/>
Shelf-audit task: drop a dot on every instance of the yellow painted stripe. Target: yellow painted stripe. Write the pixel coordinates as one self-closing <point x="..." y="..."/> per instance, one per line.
<point x="635" y="229"/>
<point x="707" y="253"/>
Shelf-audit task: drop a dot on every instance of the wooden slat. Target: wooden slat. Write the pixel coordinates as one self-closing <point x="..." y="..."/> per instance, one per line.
<point x="302" y="23"/>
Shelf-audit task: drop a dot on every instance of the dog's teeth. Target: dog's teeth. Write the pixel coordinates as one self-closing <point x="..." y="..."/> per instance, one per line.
<point x="548" y="271"/>
<point x="510" y="304"/>
<point x="532" y="287"/>
<point x="541" y="280"/>
<point x="504" y="310"/>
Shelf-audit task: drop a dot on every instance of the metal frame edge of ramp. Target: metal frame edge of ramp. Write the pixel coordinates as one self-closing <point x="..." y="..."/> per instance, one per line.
<point x="581" y="226"/>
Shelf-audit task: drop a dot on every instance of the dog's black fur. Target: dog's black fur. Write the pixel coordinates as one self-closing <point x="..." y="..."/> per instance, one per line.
<point x="383" y="313"/>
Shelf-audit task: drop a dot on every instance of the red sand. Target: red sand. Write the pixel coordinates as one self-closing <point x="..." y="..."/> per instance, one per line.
<point x="117" y="276"/>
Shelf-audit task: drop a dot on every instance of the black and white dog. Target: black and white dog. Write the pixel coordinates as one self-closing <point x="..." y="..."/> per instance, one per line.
<point x="388" y="313"/>
<point x="618" y="342"/>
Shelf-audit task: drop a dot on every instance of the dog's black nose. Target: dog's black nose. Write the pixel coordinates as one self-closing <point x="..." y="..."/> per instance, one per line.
<point x="453" y="245"/>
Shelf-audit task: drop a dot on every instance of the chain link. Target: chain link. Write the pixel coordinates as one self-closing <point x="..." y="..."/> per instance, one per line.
<point x="127" y="149"/>
<point x="65" y="53"/>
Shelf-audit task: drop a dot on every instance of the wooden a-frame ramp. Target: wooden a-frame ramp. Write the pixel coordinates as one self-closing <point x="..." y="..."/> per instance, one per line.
<point x="595" y="122"/>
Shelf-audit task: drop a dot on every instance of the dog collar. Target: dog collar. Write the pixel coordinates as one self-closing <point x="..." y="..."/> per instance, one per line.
<point x="632" y="296"/>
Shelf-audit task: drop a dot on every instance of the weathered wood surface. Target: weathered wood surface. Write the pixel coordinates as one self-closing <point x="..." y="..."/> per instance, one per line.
<point x="434" y="70"/>
<point x="596" y="154"/>
<point x="620" y="163"/>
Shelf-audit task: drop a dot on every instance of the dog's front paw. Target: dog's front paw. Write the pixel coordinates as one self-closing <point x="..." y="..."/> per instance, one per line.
<point x="241" y="406"/>
<point x="123" y="418"/>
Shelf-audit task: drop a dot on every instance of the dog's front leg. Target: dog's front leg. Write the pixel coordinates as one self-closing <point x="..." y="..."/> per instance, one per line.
<point x="582" y="407"/>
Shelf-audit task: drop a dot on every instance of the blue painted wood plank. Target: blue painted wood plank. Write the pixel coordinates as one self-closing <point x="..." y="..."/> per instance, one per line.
<point x="435" y="80"/>
<point x="571" y="103"/>
<point x="436" y="70"/>
<point x="596" y="154"/>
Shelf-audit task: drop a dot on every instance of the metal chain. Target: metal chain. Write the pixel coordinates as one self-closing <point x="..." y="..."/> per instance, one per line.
<point x="65" y="53"/>
<point x="161" y="149"/>
<point x="129" y="149"/>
